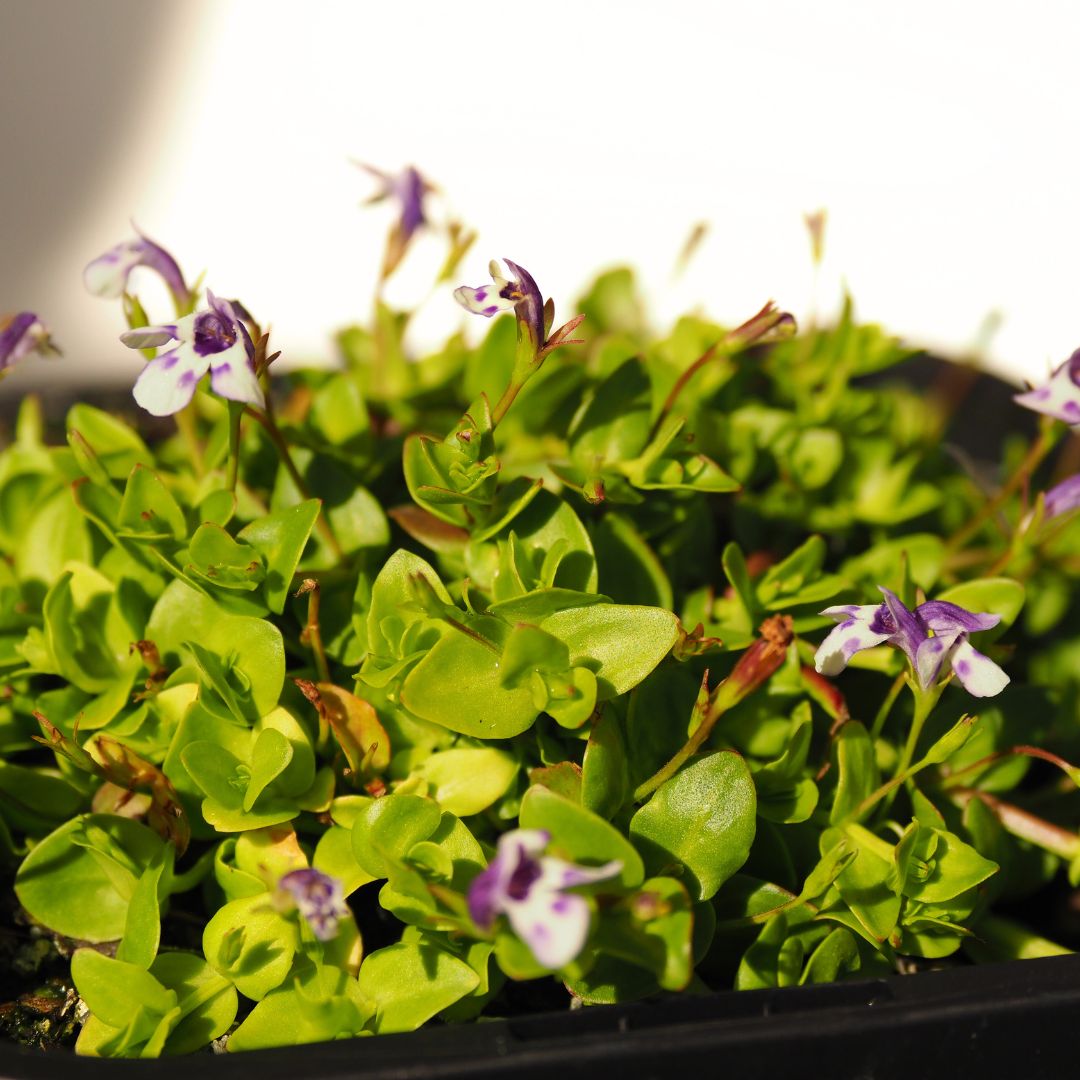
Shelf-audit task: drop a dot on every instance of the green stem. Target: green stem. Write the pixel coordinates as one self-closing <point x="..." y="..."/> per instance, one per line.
<point x="311" y="635"/>
<point x="925" y="700"/>
<point x="502" y="406"/>
<point x="886" y="705"/>
<point x="1023" y="824"/>
<point x="235" y="416"/>
<point x="282" y="446"/>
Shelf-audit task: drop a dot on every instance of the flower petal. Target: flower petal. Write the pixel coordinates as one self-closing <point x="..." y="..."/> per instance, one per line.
<point x="844" y="641"/>
<point x="945" y="618"/>
<point x="978" y="674"/>
<point x="168" y="382"/>
<point x="862" y="612"/>
<point x="1060" y="395"/>
<point x="19" y="337"/>
<point x="909" y="633"/>
<point x="1062" y="498"/>
<point x="554" y="925"/>
<point x="149" y="337"/>
<point x="107" y="275"/>
<point x="484" y="300"/>
<point x="563" y="875"/>
<point x="931" y="655"/>
<point x="232" y="376"/>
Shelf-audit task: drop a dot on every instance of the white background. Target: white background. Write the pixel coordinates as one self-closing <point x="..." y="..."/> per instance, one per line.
<point x="941" y="138"/>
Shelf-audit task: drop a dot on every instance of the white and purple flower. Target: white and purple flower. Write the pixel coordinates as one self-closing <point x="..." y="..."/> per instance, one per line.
<point x="1059" y="396"/>
<point x="934" y="638"/>
<point x="20" y="336"/>
<point x="107" y="276"/>
<point x="318" y="897"/>
<point x="215" y="340"/>
<point x="529" y="888"/>
<point x="520" y="294"/>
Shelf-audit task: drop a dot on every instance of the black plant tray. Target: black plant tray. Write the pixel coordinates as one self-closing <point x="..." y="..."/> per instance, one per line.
<point x="1011" y="1020"/>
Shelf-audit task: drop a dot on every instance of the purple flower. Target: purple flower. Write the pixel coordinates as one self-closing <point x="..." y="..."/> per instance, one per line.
<point x="1059" y="396"/>
<point x="529" y="888"/>
<point x="21" y="335"/>
<point x="213" y="340"/>
<point x="107" y="276"/>
<point x="1062" y="498"/>
<point x="318" y="897"/>
<point x="934" y="638"/>
<point x="520" y="293"/>
<point x="408" y="189"/>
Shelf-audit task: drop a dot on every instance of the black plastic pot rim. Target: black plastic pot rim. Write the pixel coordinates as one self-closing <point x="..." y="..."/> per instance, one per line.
<point x="1014" y="1020"/>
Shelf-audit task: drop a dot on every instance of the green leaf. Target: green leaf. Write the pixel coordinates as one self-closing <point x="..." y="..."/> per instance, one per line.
<point x="115" y="445"/>
<point x="251" y="944"/>
<point x="412" y="982"/>
<point x="148" y="509"/>
<point x="702" y="819"/>
<point x="142" y="926"/>
<point x="857" y="775"/>
<point x="467" y="780"/>
<point x="386" y="828"/>
<point x="605" y="772"/>
<point x="280" y="538"/>
<point x="223" y="562"/>
<point x="114" y="990"/>
<point x="621" y="644"/>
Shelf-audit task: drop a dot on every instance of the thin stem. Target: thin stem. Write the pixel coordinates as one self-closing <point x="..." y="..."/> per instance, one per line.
<point x="925" y="700"/>
<point x="1036" y="453"/>
<point x="680" y="385"/>
<point x="276" y="437"/>
<point x="1025" y="825"/>
<point x="311" y="635"/>
<point x="502" y="407"/>
<point x="235" y="416"/>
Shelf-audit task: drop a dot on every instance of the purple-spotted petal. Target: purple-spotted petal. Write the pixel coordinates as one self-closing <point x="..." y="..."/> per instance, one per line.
<point x="107" y="276"/>
<point x="931" y="655"/>
<point x="484" y="300"/>
<point x="1060" y="395"/>
<point x="978" y="674"/>
<point x="909" y="633"/>
<point x="844" y="640"/>
<point x="232" y="376"/>
<point x="1062" y="498"/>
<point x="168" y="382"/>
<point x="149" y="337"/>
<point x="844" y="612"/>
<point x="945" y="618"/>
<point x="20" y="336"/>
<point x="553" y="924"/>
<point x="564" y="875"/>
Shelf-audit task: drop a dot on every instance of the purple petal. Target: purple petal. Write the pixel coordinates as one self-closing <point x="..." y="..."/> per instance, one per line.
<point x="530" y="304"/>
<point x="19" y="337"/>
<point x="107" y="276"/>
<point x="945" y="618"/>
<point x="232" y="376"/>
<point x="909" y="633"/>
<point x="1062" y="498"/>
<point x="409" y="188"/>
<point x="978" y="674"/>
<point x="485" y="896"/>
<point x="318" y="897"/>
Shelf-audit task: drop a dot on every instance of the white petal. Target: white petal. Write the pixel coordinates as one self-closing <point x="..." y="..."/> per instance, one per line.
<point x="980" y="676"/>
<point x="931" y="655"/>
<point x="232" y="376"/>
<point x="168" y="381"/>
<point x="107" y="275"/>
<point x="484" y="301"/>
<point x="529" y="841"/>
<point x="554" y="925"/>
<point x="1060" y="397"/>
<point x="557" y="874"/>
<point x="843" y="642"/>
<point x="149" y="337"/>
<point x="861" y="612"/>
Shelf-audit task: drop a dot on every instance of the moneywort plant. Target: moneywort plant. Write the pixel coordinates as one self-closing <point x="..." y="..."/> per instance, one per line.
<point x="363" y="696"/>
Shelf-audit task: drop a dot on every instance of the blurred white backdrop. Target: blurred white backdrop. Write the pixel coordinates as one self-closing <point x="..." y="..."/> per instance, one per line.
<point x="939" y="136"/>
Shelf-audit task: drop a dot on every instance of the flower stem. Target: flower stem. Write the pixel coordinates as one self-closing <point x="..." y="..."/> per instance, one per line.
<point x="282" y="446"/>
<point x="887" y="704"/>
<point x="1025" y="825"/>
<point x="311" y="635"/>
<point x="925" y="700"/>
